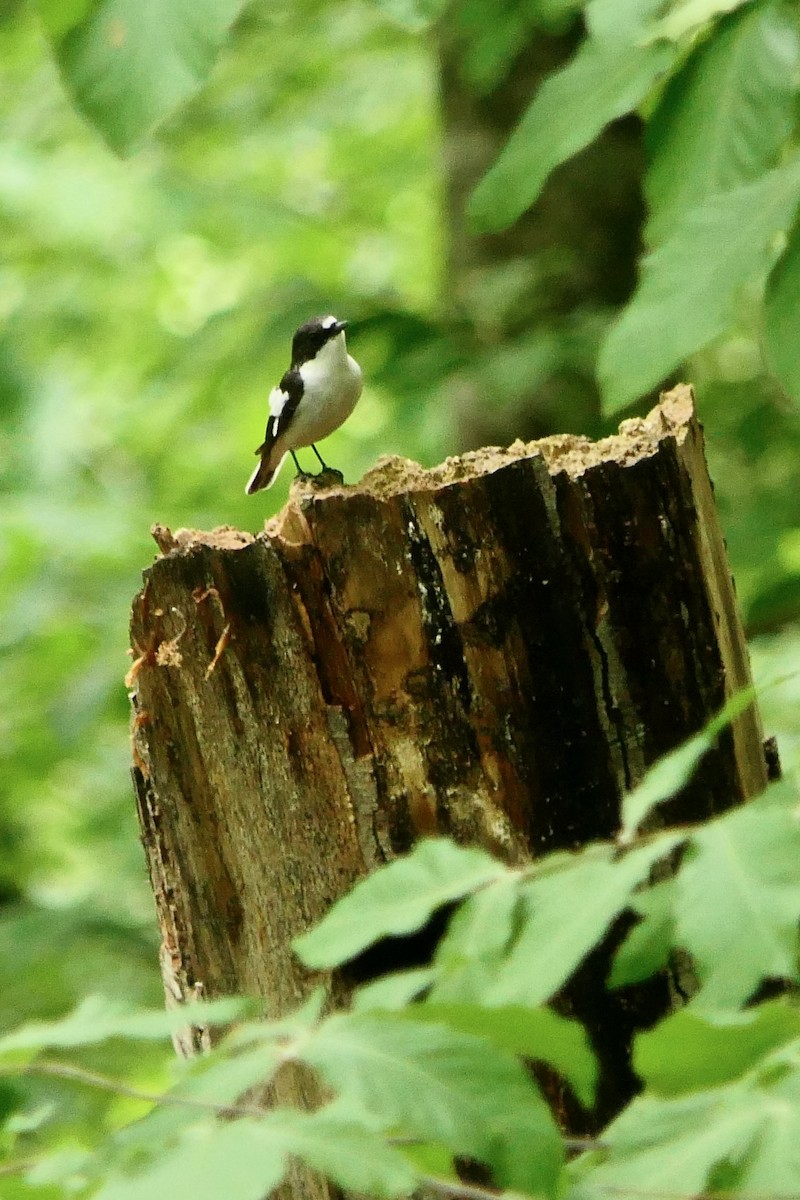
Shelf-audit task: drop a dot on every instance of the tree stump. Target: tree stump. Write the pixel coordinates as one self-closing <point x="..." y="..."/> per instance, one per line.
<point x="494" y="649"/>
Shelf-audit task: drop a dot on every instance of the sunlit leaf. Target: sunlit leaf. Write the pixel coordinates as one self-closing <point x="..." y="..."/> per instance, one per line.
<point x="689" y="284"/>
<point x="782" y="305"/>
<point x="346" y="1152"/>
<point x="724" y="117"/>
<point x="684" y="16"/>
<point x="130" y="63"/>
<point x="412" y="14"/>
<point x="397" y="899"/>
<point x="534" y="1033"/>
<point x="647" y="947"/>
<point x="690" y="1050"/>
<point x="672" y="772"/>
<point x="440" y="1086"/>
<point x="620" y="20"/>
<point x="603" y="81"/>
<point x="214" y="1158"/>
<point x="393" y="991"/>
<point x="568" y="911"/>
<point x="738" y="901"/>
<point x="99" y="1018"/>
<point x="681" y="1140"/>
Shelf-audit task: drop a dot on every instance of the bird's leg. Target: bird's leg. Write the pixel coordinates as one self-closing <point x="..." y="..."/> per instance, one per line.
<point x="326" y="470"/>
<point x="323" y="464"/>
<point x="300" y="470"/>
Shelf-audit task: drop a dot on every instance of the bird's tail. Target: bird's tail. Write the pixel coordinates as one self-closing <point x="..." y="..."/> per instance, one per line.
<point x="266" y="472"/>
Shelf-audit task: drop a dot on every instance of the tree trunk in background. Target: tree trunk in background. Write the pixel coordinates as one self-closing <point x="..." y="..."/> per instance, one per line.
<point x="533" y="297"/>
<point x="495" y="649"/>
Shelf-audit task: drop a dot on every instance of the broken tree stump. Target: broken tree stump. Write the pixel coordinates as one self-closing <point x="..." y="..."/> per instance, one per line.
<point x="495" y="649"/>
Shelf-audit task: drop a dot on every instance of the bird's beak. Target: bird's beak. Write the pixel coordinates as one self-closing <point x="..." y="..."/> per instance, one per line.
<point x="341" y="325"/>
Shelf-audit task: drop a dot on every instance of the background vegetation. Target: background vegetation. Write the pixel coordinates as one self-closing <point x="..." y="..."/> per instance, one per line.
<point x="329" y="162"/>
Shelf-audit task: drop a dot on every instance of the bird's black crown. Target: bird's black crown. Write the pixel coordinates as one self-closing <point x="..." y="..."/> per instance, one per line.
<point x="311" y="337"/>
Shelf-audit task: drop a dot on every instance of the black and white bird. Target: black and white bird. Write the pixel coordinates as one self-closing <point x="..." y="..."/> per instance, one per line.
<point x="316" y="395"/>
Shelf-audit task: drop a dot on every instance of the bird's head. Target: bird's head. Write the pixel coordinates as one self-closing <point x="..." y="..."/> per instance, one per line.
<point x="313" y="335"/>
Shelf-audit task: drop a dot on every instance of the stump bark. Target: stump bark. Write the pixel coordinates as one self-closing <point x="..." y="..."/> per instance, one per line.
<point x="494" y="649"/>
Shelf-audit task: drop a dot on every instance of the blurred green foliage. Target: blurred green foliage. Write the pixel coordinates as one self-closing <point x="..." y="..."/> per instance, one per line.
<point x="146" y="307"/>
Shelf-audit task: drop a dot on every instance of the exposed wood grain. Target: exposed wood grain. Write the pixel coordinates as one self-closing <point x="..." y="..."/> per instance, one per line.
<point x="494" y="649"/>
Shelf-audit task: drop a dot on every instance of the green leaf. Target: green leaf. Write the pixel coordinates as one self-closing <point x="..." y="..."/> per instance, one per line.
<point x="620" y="20"/>
<point x="393" y="991"/>
<point x="689" y="285"/>
<point x="569" y="911"/>
<point x="217" y="1080"/>
<point x="213" y="1159"/>
<point x="672" y="772"/>
<point x="535" y="1033"/>
<point x="647" y="947"/>
<point x="685" y="16"/>
<point x="441" y="1086"/>
<point x="482" y="926"/>
<point x="344" y="1151"/>
<point x="681" y="1140"/>
<point x="398" y="899"/>
<point x="413" y="15"/>
<point x="781" y="308"/>
<point x="725" y="117"/>
<point x="738" y="898"/>
<point x="772" y="1164"/>
<point x="130" y="63"/>
<point x="246" y="1158"/>
<point x="603" y="81"/>
<point x="59" y="16"/>
<point x="98" y="1018"/>
<point x="690" y="1050"/>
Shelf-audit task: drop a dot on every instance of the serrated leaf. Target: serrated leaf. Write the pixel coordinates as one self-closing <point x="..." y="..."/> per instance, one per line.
<point x="690" y="1051"/>
<point x="782" y="304"/>
<point x="738" y="899"/>
<point x="690" y="284"/>
<point x="686" y="16"/>
<point x="724" y="117"/>
<point x="98" y="1018"/>
<point x="440" y="1086"/>
<point x="569" y="911"/>
<point x="534" y="1033"/>
<point x="397" y="899"/>
<point x="129" y="63"/>
<point x="672" y="772"/>
<point x="647" y="947"/>
<point x="603" y="81"/>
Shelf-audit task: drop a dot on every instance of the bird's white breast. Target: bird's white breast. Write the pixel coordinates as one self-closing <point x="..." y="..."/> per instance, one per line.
<point x="331" y="387"/>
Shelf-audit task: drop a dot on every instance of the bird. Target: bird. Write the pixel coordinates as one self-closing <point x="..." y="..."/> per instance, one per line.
<point x="314" y="397"/>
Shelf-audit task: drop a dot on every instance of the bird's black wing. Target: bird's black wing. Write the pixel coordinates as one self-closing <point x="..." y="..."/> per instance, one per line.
<point x="280" y="418"/>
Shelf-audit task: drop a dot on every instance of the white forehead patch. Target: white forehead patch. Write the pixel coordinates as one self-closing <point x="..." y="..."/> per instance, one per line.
<point x="329" y="322"/>
<point x="277" y="401"/>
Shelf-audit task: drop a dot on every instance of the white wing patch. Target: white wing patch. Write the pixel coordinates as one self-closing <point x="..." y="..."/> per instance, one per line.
<point x="277" y="401"/>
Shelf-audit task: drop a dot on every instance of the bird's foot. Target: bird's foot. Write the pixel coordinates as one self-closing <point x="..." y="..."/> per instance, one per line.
<point x="329" y="478"/>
